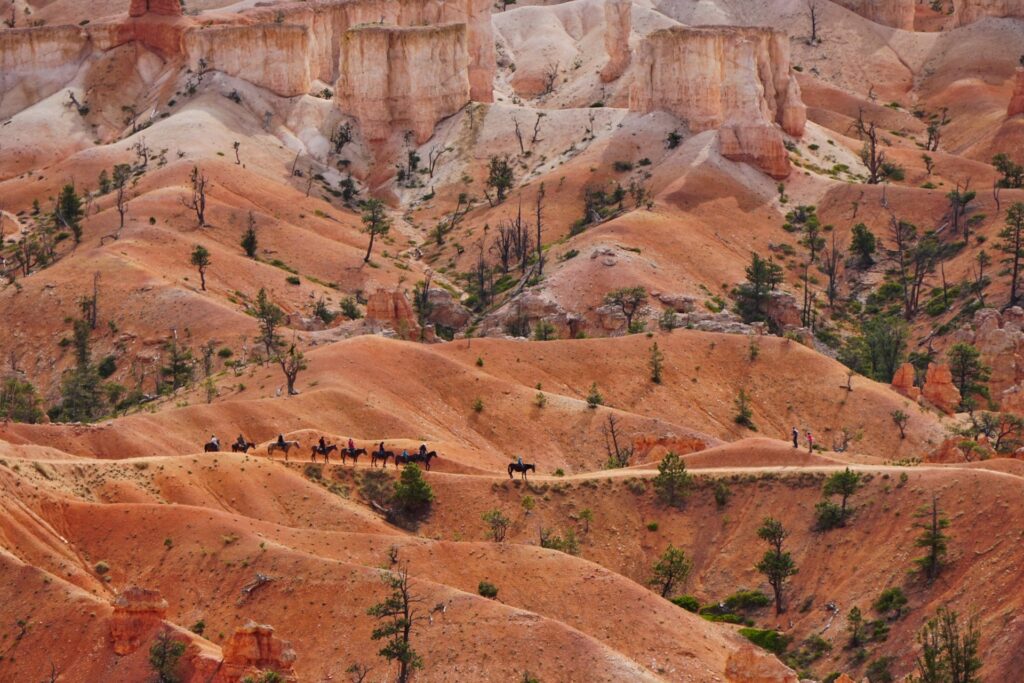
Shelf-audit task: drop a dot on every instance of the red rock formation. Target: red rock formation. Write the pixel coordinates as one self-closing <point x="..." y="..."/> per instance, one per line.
<point x="647" y="447"/>
<point x="970" y="11"/>
<point x="903" y="382"/>
<point x="939" y="389"/>
<point x="254" y="648"/>
<point x="1016" y="106"/>
<point x="397" y="79"/>
<point x="272" y="56"/>
<point x="618" y="23"/>
<point x="137" y="613"/>
<point x="169" y="8"/>
<point x="749" y="665"/>
<point x="392" y="308"/>
<point x="896" y="13"/>
<point x="731" y="78"/>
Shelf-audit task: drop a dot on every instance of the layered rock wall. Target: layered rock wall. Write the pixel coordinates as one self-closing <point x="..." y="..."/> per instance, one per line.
<point x="731" y="78"/>
<point x="618" y="24"/>
<point x="328" y="20"/>
<point x="395" y="79"/>
<point x="37" y="62"/>
<point x="169" y="8"/>
<point x="272" y="56"/>
<point x="253" y="649"/>
<point x="969" y="11"/>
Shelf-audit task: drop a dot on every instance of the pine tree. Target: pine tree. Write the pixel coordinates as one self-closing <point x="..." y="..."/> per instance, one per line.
<point x="200" y="258"/>
<point x="655" y="362"/>
<point x="1011" y="243"/>
<point x="375" y="222"/>
<point x="68" y="211"/>
<point x="777" y="565"/>
<point x="933" y="540"/>
<point x="671" y="568"/>
<point x="412" y="492"/>
<point x="843" y="484"/>
<point x="398" y="615"/>
<point x="673" y="482"/>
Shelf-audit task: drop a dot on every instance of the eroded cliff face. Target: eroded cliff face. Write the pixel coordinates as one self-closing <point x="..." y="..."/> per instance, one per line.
<point x="395" y="79"/>
<point x="896" y="13"/>
<point x="169" y="8"/>
<point x="1016" y="105"/>
<point x="272" y="56"/>
<point x="618" y="23"/>
<point x="254" y="648"/>
<point x="328" y="20"/>
<point x="37" y="62"/>
<point x="734" y="79"/>
<point x="138" y="612"/>
<point x="969" y="11"/>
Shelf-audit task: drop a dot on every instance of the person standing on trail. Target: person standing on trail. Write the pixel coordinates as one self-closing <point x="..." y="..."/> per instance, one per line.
<point x="810" y="442"/>
<point x="796" y="438"/>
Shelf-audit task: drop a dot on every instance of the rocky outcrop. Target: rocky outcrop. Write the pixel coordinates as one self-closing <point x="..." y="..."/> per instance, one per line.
<point x="37" y="62"/>
<point x="137" y="613"/>
<point x="444" y="310"/>
<point x="396" y="79"/>
<point x="391" y="308"/>
<point x="903" y="382"/>
<point x="618" y="23"/>
<point x="970" y="11"/>
<point x="169" y="8"/>
<point x="521" y="316"/>
<point x="271" y="56"/>
<point x="999" y="336"/>
<point x="254" y="648"/>
<point x="749" y="665"/>
<point x="939" y="389"/>
<point x="328" y="20"/>
<point x="736" y="79"/>
<point x="1016" y="106"/>
<point x="895" y="13"/>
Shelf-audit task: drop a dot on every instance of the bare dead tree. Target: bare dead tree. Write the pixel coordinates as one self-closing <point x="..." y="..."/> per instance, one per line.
<point x="831" y="257"/>
<point x="519" y="134"/>
<point x="550" y="78"/>
<point x="504" y="245"/>
<point x="451" y="222"/>
<point x="812" y="8"/>
<point x="141" y="150"/>
<point x="309" y="180"/>
<point x="197" y="201"/>
<point x="589" y="129"/>
<point x="618" y="455"/>
<point x="434" y="156"/>
<point x="521" y="246"/>
<point x="90" y="305"/>
<point x="341" y="136"/>
<point x="995" y="197"/>
<point x="871" y="154"/>
<point x="539" y="213"/>
<point x="536" y="128"/>
<point x="237" y="145"/>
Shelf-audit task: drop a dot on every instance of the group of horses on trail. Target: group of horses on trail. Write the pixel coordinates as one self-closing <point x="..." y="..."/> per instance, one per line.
<point x="322" y="448"/>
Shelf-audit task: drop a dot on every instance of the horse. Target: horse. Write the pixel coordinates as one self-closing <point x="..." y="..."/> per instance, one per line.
<point x="275" y="446"/>
<point x="377" y="455"/>
<point x="354" y="454"/>
<point x="325" y="451"/>
<point x="242" y="447"/>
<point x="211" y="447"/>
<point x="416" y="457"/>
<point x="516" y="467"/>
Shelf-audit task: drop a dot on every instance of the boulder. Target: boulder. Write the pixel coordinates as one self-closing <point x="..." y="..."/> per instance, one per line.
<point x="392" y="309"/>
<point x="137" y="613"/>
<point x="903" y="382"/>
<point x="445" y="310"/>
<point x="939" y="389"/>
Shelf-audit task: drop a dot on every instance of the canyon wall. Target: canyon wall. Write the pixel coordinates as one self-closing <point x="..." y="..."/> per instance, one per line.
<point x="395" y="79"/>
<point x="328" y="20"/>
<point x="1016" y="105"/>
<point x="272" y="56"/>
<point x="734" y="79"/>
<point x="896" y="13"/>
<point x="169" y="8"/>
<point x="618" y="24"/>
<point x="970" y="11"/>
<point x="37" y="62"/>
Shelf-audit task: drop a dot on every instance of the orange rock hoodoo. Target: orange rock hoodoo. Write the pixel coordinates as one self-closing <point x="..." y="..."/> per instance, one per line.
<point x="903" y="382"/>
<point x="939" y="389"/>
<point x="1017" y="98"/>
<point x="137" y="612"/>
<point x="254" y="648"/>
<point x="734" y="79"/>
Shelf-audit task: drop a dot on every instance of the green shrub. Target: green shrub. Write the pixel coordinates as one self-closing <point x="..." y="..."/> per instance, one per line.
<point x="487" y="590"/>
<point x="891" y="602"/>
<point x="827" y="515"/>
<point x="293" y="280"/>
<point x="687" y="602"/>
<point x="652" y="526"/>
<point x="770" y="640"/>
<point x="744" y="601"/>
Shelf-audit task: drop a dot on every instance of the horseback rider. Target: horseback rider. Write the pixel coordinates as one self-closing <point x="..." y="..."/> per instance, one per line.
<point x="405" y="455"/>
<point x="322" y="446"/>
<point x="280" y="440"/>
<point x="519" y="461"/>
<point x="215" y="441"/>
<point x="423" y="450"/>
<point x="381" y="448"/>
<point x="241" y="441"/>
<point x="351" y="446"/>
